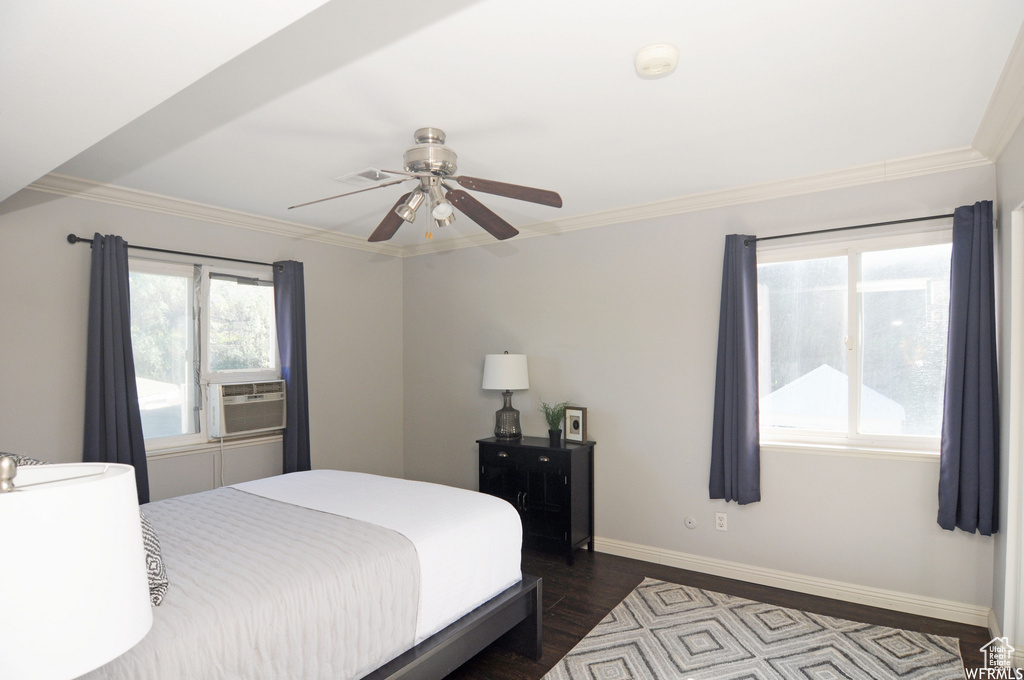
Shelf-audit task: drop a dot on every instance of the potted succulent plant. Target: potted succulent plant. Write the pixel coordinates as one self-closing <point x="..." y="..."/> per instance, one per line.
<point x="555" y="415"/>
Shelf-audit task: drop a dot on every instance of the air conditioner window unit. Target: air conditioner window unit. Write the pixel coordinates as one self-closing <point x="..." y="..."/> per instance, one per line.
<point x="246" y="408"/>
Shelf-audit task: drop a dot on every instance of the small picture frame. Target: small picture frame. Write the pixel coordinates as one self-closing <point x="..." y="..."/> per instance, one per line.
<point x="575" y="424"/>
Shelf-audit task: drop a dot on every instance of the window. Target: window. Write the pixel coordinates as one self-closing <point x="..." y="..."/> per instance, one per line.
<point x="242" y="332"/>
<point x="193" y="325"/>
<point x="164" y="345"/>
<point x="852" y="342"/>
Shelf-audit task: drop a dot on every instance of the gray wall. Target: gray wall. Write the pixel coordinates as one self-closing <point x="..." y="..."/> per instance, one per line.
<point x="624" y="320"/>
<point x="354" y="343"/>
<point x="621" y="319"/>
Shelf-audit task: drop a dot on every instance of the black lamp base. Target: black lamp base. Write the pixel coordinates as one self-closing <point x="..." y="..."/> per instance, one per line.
<point x="506" y="420"/>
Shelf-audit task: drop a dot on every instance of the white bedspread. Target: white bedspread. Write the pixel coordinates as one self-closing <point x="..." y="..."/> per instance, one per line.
<point x="468" y="544"/>
<point x="263" y="590"/>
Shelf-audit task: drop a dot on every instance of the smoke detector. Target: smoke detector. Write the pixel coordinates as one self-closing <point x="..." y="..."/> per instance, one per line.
<point x="656" y="61"/>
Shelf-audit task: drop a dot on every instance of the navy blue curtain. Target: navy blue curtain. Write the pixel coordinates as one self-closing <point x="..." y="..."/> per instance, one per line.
<point x="113" y="423"/>
<point x="969" y="464"/>
<point x="735" y="442"/>
<point x="290" y="303"/>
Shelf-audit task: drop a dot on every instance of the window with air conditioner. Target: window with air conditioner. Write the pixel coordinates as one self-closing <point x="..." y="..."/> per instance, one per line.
<point x="194" y="327"/>
<point x="852" y="342"/>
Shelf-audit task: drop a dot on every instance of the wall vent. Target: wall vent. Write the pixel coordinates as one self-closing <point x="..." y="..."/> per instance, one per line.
<point x="370" y="177"/>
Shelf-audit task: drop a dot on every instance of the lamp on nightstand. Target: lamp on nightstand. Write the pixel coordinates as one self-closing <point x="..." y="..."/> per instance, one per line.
<point x="76" y="594"/>
<point x="506" y="372"/>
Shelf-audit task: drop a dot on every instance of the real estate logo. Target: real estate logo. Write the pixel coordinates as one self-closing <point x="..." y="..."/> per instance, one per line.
<point x="998" y="660"/>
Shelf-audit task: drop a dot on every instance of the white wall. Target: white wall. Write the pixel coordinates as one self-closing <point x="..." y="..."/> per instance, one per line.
<point x="1009" y="548"/>
<point x="354" y="339"/>
<point x="624" y="320"/>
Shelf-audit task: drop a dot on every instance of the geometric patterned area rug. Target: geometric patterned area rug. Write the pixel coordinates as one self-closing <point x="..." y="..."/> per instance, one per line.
<point x="663" y="630"/>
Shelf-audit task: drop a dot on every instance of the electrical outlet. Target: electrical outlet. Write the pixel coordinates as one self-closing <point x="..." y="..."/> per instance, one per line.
<point x="721" y="521"/>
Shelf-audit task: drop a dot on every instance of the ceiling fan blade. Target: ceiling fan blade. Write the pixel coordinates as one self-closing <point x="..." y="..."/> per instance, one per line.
<point x="349" y="193"/>
<point x="390" y="224"/>
<point x="403" y="172"/>
<point x="481" y="214"/>
<point x="489" y="186"/>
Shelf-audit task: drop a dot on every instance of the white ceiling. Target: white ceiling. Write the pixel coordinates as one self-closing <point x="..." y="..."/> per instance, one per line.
<point x="74" y="72"/>
<point x="534" y="92"/>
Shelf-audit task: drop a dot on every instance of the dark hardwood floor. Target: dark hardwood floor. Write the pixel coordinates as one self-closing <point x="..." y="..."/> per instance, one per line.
<point x="577" y="598"/>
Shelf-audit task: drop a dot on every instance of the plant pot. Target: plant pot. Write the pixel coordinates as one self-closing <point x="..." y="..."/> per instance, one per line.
<point x="555" y="438"/>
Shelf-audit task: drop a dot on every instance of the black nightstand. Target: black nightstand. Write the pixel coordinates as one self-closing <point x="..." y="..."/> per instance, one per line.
<point x="552" y="488"/>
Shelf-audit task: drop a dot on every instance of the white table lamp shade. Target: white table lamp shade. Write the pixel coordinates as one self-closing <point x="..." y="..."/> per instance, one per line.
<point x="76" y="593"/>
<point x="506" y="372"/>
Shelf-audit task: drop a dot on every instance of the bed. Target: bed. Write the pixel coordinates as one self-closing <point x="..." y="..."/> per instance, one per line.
<point x="330" y="574"/>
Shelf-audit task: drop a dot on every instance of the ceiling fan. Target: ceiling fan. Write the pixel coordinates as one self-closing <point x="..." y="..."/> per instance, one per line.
<point x="433" y="165"/>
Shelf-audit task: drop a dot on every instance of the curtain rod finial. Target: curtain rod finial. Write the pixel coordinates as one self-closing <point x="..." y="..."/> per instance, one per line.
<point x="72" y="239"/>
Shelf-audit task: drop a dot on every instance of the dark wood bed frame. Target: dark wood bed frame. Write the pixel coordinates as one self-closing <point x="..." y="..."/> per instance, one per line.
<point x="512" y="618"/>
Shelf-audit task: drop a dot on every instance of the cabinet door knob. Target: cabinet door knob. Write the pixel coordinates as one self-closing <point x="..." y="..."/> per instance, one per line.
<point x="544" y="459"/>
<point x="502" y="454"/>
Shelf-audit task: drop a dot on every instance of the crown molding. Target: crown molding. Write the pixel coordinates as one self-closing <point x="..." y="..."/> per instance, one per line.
<point x="143" y="200"/>
<point x="955" y="159"/>
<point x="1006" y="107"/>
<point x="899" y="168"/>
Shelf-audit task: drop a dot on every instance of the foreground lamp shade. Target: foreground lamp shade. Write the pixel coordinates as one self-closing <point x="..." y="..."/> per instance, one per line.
<point x="506" y="372"/>
<point x="76" y="592"/>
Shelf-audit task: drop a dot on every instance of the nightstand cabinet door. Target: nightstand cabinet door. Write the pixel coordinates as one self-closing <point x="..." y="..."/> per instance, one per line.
<point x="499" y="475"/>
<point x="545" y="502"/>
<point x="551" y="488"/>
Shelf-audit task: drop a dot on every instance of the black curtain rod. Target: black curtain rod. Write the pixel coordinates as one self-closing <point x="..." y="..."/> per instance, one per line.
<point x="747" y="242"/>
<point x="72" y="239"/>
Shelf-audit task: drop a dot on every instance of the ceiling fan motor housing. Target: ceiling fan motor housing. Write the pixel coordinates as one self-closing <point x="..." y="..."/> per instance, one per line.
<point x="430" y="154"/>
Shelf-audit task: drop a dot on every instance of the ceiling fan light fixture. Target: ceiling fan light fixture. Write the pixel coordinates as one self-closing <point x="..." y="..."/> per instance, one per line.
<point x="440" y="208"/>
<point x="446" y="221"/>
<point x="442" y="211"/>
<point x="656" y="61"/>
<point x="407" y="211"/>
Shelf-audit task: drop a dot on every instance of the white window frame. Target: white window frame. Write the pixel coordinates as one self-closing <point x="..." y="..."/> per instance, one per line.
<point x="852" y="248"/>
<point x="184" y="267"/>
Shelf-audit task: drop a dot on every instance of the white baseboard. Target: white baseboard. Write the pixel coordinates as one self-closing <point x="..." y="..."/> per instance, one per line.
<point x="993" y="625"/>
<point x="848" y="592"/>
<point x="994" y="632"/>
